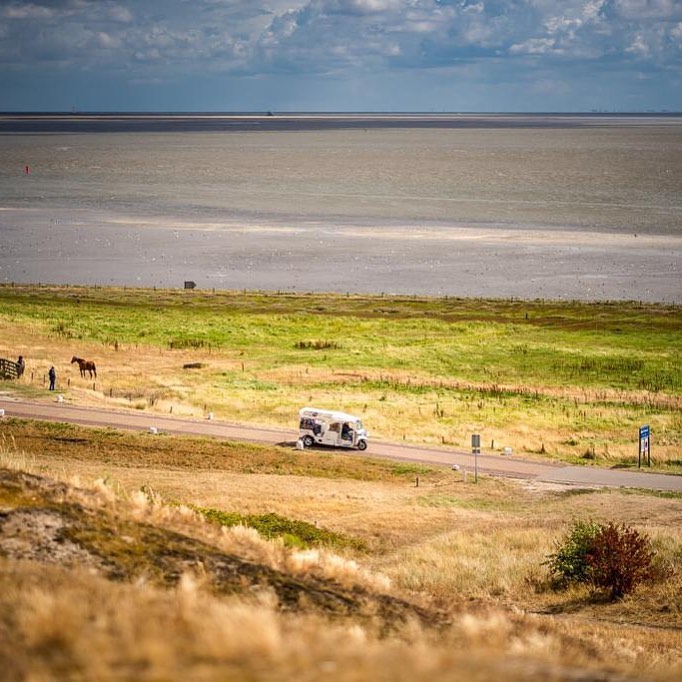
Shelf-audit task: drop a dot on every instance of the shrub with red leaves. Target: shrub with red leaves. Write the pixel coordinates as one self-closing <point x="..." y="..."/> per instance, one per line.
<point x="619" y="559"/>
<point x="608" y="556"/>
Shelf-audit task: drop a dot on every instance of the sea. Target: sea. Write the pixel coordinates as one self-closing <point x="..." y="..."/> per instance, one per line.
<point x="543" y="206"/>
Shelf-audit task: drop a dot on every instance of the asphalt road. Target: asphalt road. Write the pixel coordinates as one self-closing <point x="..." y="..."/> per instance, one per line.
<point x="489" y="464"/>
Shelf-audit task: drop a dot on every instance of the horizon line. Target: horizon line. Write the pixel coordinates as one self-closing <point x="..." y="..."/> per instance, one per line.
<point x="269" y="112"/>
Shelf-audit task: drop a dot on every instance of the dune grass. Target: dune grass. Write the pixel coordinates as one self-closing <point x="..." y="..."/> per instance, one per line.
<point x="474" y="552"/>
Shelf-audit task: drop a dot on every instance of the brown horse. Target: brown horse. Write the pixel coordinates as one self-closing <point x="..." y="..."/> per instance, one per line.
<point x="85" y="366"/>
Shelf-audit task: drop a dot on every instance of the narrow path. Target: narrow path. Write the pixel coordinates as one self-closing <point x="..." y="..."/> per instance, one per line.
<point x="494" y="465"/>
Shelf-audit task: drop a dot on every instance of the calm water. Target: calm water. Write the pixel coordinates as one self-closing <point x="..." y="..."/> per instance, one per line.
<point x="320" y="199"/>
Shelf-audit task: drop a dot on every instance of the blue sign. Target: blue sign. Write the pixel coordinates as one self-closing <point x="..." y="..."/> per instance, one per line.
<point x="644" y="445"/>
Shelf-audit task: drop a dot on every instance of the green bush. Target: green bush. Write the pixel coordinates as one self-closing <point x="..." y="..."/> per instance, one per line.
<point x="569" y="564"/>
<point x="607" y="556"/>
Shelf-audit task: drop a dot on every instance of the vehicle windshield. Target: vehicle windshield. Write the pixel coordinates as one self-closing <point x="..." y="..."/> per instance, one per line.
<point x="358" y="425"/>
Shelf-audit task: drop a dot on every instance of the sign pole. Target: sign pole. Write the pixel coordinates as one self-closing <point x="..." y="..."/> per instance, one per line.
<point x="648" y="451"/>
<point x="475" y="449"/>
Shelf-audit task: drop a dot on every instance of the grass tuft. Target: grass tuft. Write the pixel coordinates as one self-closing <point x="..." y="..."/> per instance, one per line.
<point x="294" y="533"/>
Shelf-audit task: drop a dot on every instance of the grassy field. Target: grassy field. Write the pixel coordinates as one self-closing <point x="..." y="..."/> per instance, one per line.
<point x="570" y="381"/>
<point x="185" y="558"/>
<point x="342" y="568"/>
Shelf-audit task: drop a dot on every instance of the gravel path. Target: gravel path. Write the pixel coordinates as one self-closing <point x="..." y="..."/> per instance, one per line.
<point x="489" y="464"/>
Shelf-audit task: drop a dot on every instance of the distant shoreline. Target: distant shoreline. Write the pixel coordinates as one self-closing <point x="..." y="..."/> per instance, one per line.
<point x="101" y="122"/>
<point x="332" y="114"/>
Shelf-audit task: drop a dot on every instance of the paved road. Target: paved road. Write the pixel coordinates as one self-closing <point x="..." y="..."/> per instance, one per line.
<point x="491" y="464"/>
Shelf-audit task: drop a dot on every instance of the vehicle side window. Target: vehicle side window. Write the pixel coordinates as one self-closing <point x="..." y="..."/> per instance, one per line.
<point x="335" y="426"/>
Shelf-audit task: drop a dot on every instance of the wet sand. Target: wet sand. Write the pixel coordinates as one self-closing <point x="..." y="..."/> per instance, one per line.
<point x="531" y="207"/>
<point x="88" y="246"/>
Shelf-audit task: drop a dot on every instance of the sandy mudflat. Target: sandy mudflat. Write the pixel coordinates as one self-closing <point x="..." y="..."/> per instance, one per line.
<point x="93" y="247"/>
<point x="524" y="207"/>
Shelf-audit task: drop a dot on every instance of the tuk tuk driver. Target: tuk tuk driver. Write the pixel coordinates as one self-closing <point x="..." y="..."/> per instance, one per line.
<point x="346" y="432"/>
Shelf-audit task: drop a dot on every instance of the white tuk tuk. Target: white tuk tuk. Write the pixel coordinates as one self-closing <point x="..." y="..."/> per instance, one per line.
<point x="328" y="427"/>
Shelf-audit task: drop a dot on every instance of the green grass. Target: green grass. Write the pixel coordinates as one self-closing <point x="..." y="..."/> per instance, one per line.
<point x="626" y="346"/>
<point x="559" y="379"/>
<point x="293" y="532"/>
<point x="451" y="501"/>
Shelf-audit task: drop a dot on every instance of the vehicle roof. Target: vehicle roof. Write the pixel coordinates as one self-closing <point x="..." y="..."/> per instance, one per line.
<point x="330" y="414"/>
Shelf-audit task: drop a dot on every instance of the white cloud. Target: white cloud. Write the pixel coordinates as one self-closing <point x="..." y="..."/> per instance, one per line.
<point x="476" y="8"/>
<point x="638" y="46"/>
<point x="27" y="11"/>
<point x="533" y="46"/>
<point x="360" y="6"/>
<point x="314" y="32"/>
<point x="592" y="8"/>
<point x="159" y="39"/>
<point x="562" y="24"/>
<point x="107" y="41"/>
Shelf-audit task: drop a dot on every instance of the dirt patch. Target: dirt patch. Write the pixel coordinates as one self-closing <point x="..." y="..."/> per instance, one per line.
<point x="37" y="535"/>
<point x="537" y="486"/>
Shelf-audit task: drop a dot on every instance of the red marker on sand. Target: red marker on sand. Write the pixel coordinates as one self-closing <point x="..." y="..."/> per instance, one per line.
<point x="28" y="170"/>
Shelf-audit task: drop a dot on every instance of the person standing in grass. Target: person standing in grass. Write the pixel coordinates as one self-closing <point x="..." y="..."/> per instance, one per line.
<point x="21" y="366"/>
<point x="53" y="377"/>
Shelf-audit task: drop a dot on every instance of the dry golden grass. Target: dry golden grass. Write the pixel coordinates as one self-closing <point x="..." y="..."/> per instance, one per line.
<point x="78" y="626"/>
<point x="153" y="380"/>
<point x="474" y="550"/>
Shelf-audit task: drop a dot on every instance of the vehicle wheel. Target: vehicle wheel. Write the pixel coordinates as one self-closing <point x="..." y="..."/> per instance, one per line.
<point x="362" y="445"/>
<point x="308" y="441"/>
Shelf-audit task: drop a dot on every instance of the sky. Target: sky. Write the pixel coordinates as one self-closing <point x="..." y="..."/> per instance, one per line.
<point x="341" y="55"/>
